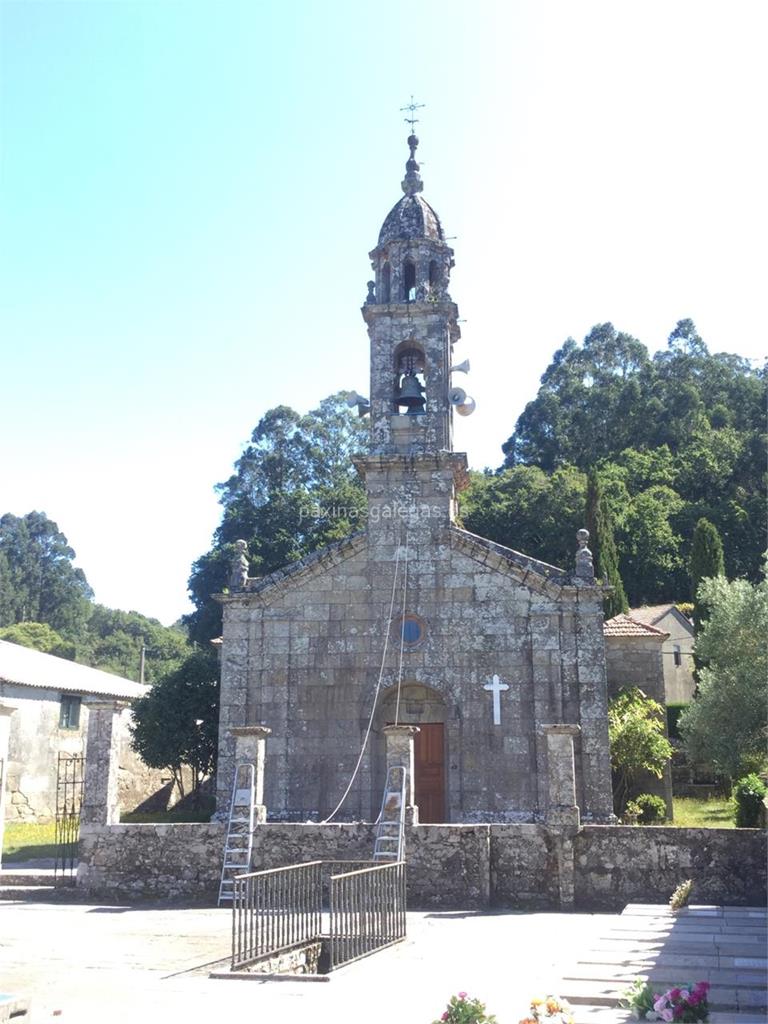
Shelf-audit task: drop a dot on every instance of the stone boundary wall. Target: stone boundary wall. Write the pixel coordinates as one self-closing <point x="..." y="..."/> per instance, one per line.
<point x="449" y="866"/>
<point x="615" y="865"/>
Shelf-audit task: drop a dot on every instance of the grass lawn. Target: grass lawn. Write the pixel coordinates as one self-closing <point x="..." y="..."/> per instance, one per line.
<point x="693" y="813"/>
<point x="26" y="840"/>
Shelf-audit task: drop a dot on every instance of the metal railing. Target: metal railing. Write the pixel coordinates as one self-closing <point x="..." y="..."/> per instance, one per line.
<point x="276" y="910"/>
<point x="70" y="779"/>
<point x="367" y="911"/>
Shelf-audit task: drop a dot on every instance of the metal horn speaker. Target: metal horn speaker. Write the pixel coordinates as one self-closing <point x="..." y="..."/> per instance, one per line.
<point x="461" y="367"/>
<point x="467" y="407"/>
<point x="456" y="396"/>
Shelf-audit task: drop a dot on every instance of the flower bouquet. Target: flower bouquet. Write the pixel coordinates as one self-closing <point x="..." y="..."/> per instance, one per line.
<point x="463" y="1010"/>
<point x="551" y="1010"/>
<point x="686" y="1005"/>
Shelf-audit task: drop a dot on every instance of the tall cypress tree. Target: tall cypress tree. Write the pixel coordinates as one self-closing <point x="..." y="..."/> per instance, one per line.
<point x="603" y="546"/>
<point x="706" y="561"/>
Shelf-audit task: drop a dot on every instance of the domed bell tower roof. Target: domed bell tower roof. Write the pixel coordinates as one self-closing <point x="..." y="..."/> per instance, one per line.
<point x="412" y="217"/>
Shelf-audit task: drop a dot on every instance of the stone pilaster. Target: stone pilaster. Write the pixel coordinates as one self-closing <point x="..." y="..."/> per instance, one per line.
<point x="400" y="741"/>
<point x="251" y="748"/>
<point x="101" y="797"/>
<point x="562" y="810"/>
<point x="6" y="710"/>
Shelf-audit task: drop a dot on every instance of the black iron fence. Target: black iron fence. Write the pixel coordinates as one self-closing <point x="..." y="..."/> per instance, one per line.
<point x="367" y="911"/>
<point x="70" y="776"/>
<point x="277" y="910"/>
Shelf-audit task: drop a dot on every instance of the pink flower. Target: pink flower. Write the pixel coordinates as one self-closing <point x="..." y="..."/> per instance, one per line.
<point x="685" y="994"/>
<point x="673" y="994"/>
<point x="667" y="1015"/>
<point x="444" y="1016"/>
<point x="660" y="1003"/>
<point x="462" y="995"/>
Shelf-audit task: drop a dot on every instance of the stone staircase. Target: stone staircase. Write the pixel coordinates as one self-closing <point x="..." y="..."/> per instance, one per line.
<point x="725" y="946"/>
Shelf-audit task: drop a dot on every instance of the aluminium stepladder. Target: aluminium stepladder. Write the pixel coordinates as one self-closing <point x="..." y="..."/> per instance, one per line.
<point x="389" y="844"/>
<point x="239" y="842"/>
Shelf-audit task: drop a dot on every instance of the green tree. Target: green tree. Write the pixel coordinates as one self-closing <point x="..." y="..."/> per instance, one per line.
<point x="294" y="490"/>
<point x="40" y="637"/>
<point x="638" y="743"/>
<point x="706" y="561"/>
<point x="38" y="582"/>
<point x="528" y="509"/>
<point x="727" y="724"/>
<point x="176" y="724"/>
<point x="600" y="526"/>
<point x="112" y="640"/>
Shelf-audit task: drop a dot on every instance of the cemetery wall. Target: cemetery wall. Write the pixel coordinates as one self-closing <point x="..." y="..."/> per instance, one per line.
<point x="449" y="866"/>
<point x="615" y="865"/>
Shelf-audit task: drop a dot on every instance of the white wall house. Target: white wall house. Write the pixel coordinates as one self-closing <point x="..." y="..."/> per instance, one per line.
<point x="676" y="650"/>
<point x="45" y="704"/>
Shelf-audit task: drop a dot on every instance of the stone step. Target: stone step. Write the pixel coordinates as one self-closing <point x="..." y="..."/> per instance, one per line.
<point x="667" y="974"/>
<point x="594" y="992"/>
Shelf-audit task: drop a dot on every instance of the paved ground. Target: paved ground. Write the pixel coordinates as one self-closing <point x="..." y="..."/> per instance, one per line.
<point x="88" y="963"/>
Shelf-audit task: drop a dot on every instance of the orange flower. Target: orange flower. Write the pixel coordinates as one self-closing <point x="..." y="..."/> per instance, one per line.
<point x="537" y="1001"/>
<point x="552" y="1005"/>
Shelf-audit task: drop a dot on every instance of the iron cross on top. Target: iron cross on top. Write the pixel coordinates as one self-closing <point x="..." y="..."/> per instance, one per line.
<point x="495" y="686"/>
<point x="412" y="108"/>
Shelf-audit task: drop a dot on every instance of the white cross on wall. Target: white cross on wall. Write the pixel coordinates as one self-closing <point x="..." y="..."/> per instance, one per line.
<point x="495" y="687"/>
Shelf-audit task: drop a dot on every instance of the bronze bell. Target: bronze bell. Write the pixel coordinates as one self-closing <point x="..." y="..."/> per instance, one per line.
<point x="411" y="394"/>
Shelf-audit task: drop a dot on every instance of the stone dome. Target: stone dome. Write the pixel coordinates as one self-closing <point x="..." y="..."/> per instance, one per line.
<point x="412" y="217"/>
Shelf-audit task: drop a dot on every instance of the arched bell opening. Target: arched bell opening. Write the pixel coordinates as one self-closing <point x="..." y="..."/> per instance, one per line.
<point x="409" y="281"/>
<point x="425" y="707"/>
<point x="434" y="275"/>
<point x="385" y="289"/>
<point x="410" y="382"/>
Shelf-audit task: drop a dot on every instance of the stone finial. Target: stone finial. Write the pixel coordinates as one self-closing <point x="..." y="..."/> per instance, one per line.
<point x="585" y="569"/>
<point x="412" y="183"/>
<point x="371" y="296"/>
<point x="238" y="569"/>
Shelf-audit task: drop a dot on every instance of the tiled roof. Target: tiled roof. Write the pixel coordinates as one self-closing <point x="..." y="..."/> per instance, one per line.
<point x="25" y="667"/>
<point x="653" y="613"/>
<point x="624" y="625"/>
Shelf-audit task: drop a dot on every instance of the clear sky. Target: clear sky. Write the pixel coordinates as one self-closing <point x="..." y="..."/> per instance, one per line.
<point x="189" y="191"/>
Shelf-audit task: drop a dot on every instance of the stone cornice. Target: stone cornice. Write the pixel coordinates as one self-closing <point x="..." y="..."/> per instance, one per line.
<point x="530" y="572"/>
<point x="267" y="588"/>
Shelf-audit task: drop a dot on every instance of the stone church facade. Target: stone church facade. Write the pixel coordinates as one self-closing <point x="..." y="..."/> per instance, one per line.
<point x="413" y="620"/>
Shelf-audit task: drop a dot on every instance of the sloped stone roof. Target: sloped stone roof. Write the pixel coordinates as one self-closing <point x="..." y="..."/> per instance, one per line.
<point x="625" y="625"/>
<point x="412" y="217"/>
<point x="25" y="667"/>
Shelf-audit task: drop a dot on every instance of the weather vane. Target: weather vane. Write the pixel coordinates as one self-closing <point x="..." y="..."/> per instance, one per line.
<point x="412" y="107"/>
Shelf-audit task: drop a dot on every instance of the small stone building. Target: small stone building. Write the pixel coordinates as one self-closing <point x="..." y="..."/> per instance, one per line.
<point x="676" y="650"/>
<point x="634" y="654"/>
<point x="46" y="700"/>
<point x="413" y="620"/>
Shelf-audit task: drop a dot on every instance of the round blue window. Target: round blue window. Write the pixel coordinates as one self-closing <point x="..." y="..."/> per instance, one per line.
<point x="412" y="629"/>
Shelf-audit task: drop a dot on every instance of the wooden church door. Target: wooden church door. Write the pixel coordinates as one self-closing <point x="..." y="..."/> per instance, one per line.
<point x="429" y="773"/>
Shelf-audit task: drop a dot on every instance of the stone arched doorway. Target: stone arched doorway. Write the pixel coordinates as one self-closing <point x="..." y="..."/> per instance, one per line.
<point x="420" y="705"/>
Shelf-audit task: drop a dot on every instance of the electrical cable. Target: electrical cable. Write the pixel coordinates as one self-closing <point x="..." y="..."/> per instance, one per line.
<point x="375" y="695"/>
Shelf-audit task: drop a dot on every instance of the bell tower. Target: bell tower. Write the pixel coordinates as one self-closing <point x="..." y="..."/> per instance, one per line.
<point x="412" y="326"/>
<point x="411" y="471"/>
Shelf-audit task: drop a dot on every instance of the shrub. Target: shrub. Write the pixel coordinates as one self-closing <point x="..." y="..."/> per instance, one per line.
<point x="648" y="808"/>
<point x="748" y="795"/>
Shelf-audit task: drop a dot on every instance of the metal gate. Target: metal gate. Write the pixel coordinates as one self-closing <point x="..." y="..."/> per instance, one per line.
<point x="70" y="776"/>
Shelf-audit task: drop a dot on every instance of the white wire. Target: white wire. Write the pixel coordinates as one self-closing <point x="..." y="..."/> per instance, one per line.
<point x="375" y="695"/>
<point x="402" y="630"/>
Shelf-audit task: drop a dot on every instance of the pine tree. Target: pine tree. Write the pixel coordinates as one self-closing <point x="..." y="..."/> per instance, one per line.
<point x="706" y="562"/>
<point x="603" y="547"/>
